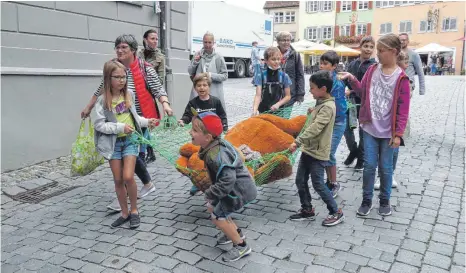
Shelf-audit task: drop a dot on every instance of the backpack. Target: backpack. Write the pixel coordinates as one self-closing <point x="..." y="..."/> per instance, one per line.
<point x="272" y="91"/>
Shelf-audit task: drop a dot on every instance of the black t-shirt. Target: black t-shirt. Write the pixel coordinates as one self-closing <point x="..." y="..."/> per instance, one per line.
<point x="213" y="104"/>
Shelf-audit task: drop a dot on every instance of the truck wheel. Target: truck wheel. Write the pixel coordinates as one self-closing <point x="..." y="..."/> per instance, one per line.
<point x="240" y="68"/>
<point x="249" y="70"/>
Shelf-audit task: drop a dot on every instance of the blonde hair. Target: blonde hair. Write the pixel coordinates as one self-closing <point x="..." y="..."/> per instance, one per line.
<point x="202" y="77"/>
<point x="208" y="34"/>
<point x="402" y="57"/>
<point x="109" y="68"/>
<point x="390" y="41"/>
<point x="271" y="51"/>
<point x="282" y="35"/>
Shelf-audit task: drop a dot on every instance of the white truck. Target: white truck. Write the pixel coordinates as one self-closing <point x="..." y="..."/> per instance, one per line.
<point x="234" y="28"/>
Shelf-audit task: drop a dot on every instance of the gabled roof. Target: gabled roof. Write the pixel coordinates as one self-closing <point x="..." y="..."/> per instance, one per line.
<point x="280" y="4"/>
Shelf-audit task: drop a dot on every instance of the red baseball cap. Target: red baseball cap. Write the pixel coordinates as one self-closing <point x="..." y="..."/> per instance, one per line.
<point x="211" y="121"/>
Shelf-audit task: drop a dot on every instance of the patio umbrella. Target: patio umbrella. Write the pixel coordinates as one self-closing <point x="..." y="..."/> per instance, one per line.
<point x="346" y="51"/>
<point x="317" y="49"/>
<point x="433" y="47"/>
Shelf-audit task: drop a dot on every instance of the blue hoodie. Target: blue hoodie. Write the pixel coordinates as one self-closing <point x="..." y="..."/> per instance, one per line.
<point x="338" y="92"/>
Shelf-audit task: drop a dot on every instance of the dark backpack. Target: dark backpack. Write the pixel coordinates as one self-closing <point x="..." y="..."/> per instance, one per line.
<point x="272" y="91"/>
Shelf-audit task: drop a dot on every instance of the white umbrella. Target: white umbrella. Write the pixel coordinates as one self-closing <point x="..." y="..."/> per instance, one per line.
<point x="303" y="44"/>
<point x="346" y="51"/>
<point x="318" y="49"/>
<point x="433" y="47"/>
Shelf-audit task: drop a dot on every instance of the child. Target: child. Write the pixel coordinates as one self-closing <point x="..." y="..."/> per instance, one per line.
<point x="384" y="93"/>
<point x="232" y="185"/>
<point x="116" y="120"/>
<point x="202" y="103"/>
<point x="272" y="84"/>
<point x="329" y="62"/>
<point x="315" y="143"/>
<point x="358" y="67"/>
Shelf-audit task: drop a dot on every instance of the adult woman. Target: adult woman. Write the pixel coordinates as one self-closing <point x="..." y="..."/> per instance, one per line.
<point x="293" y="66"/>
<point x="207" y="60"/>
<point x="141" y="77"/>
<point x="152" y="54"/>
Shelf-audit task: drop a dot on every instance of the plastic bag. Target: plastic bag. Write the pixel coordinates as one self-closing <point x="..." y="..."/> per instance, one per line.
<point x="353" y="113"/>
<point x="84" y="156"/>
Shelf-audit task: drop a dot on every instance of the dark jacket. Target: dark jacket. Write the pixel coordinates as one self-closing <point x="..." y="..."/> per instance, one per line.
<point x="358" y="69"/>
<point x="213" y="104"/>
<point x="294" y="68"/>
<point x="232" y="184"/>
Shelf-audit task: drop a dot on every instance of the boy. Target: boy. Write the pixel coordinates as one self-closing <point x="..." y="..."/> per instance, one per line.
<point x="202" y="103"/>
<point x="232" y="185"/>
<point x="272" y="85"/>
<point x="315" y="145"/>
<point x="328" y="62"/>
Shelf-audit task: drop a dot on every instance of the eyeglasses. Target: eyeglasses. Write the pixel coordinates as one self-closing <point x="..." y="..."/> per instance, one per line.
<point x="124" y="48"/>
<point x="285" y="41"/>
<point x="120" y="78"/>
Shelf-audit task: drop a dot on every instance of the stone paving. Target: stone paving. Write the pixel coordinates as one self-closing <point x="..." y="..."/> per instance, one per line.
<point x="426" y="233"/>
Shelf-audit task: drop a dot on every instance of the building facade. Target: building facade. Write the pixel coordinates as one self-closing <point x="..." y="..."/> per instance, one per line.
<point x="353" y="21"/>
<point x="285" y="16"/>
<point x="425" y="22"/>
<point x="51" y="63"/>
<point x="317" y="21"/>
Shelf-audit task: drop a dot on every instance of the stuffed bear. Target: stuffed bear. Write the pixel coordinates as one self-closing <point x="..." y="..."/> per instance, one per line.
<point x="266" y="134"/>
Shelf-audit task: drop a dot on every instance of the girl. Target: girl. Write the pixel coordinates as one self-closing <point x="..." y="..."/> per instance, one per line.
<point x="384" y="93"/>
<point x="116" y="120"/>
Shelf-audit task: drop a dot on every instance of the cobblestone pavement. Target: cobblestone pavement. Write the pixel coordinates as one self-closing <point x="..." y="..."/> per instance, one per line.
<point x="71" y="233"/>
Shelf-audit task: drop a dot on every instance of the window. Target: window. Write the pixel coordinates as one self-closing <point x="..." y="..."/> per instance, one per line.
<point x="289" y="17"/>
<point x="312" y="6"/>
<point x="312" y="33"/>
<point x="345" y="5"/>
<point x="425" y="26"/>
<point x="362" y="29"/>
<point x="449" y="24"/>
<point x="363" y="5"/>
<point x="386" y="28"/>
<point x="406" y="26"/>
<point x="405" y="3"/>
<point x="345" y="30"/>
<point x="387" y="4"/>
<point x="278" y="17"/>
<point x="326" y="5"/>
<point x="327" y="33"/>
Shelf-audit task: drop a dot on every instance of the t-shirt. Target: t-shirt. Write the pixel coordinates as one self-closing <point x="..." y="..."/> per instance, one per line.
<point x="123" y="115"/>
<point x="213" y="104"/>
<point x="381" y="95"/>
<point x="338" y="92"/>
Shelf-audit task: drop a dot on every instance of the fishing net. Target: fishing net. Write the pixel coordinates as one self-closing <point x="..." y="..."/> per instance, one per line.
<point x="262" y="141"/>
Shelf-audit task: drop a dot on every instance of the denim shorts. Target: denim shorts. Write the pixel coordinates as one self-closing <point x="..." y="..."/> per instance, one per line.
<point x="338" y="131"/>
<point x="219" y="213"/>
<point x="124" y="147"/>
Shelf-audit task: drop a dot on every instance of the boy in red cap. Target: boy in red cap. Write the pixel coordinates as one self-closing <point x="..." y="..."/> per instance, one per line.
<point x="232" y="185"/>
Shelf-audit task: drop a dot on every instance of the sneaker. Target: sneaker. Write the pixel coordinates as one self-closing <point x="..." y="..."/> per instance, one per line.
<point x="236" y="253"/>
<point x="115" y="206"/>
<point x="335" y="189"/>
<point x="134" y="220"/>
<point x="377" y="183"/>
<point x="334" y="219"/>
<point x="384" y="208"/>
<point x="193" y="190"/>
<point x="359" y="165"/>
<point x="304" y="215"/>
<point x="223" y="239"/>
<point x="145" y="191"/>
<point x="120" y="221"/>
<point x="350" y="159"/>
<point x="365" y="208"/>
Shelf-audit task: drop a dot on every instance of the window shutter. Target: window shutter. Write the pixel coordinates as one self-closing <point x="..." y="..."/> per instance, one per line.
<point x="319" y="6"/>
<point x="370" y="5"/>
<point x="307" y="6"/>
<point x="352" y="29"/>
<point x="389" y="28"/>
<point x="319" y="33"/>
<point x="337" y="31"/>
<point x="422" y="26"/>
<point x="444" y="23"/>
<point x="338" y="6"/>
<point x="452" y="23"/>
<point x="368" y="31"/>
<point x="354" y="5"/>
<point x="382" y="29"/>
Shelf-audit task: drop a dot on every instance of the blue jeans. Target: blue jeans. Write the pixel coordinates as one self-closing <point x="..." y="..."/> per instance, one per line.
<point x="338" y="131"/>
<point x="395" y="158"/>
<point x="309" y="166"/>
<point x="145" y="133"/>
<point x="377" y="151"/>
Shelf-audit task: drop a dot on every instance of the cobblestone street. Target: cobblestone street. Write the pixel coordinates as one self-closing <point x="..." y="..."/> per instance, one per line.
<point x="426" y="233"/>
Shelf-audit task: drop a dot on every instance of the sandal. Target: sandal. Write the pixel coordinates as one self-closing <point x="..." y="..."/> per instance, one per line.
<point x="134" y="220"/>
<point x="120" y="221"/>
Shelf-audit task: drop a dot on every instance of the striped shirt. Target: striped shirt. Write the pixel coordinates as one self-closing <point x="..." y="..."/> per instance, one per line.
<point x="155" y="87"/>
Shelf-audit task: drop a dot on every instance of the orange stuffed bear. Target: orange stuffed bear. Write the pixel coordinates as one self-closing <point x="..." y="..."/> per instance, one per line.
<point x="265" y="134"/>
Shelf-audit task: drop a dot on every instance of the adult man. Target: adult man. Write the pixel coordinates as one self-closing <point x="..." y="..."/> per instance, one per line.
<point x="255" y="59"/>
<point x="126" y="47"/>
<point x="415" y="64"/>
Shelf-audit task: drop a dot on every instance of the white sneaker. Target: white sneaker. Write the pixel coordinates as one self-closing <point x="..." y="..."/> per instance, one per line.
<point x="145" y="191"/>
<point x="115" y="205"/>
<point x="377" y="183"/>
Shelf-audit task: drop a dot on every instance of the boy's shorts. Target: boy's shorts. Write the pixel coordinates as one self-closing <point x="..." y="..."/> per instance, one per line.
<point x="219" y="213"/>
<point x="338" y="131"/>
<point x="124" y="147"/>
